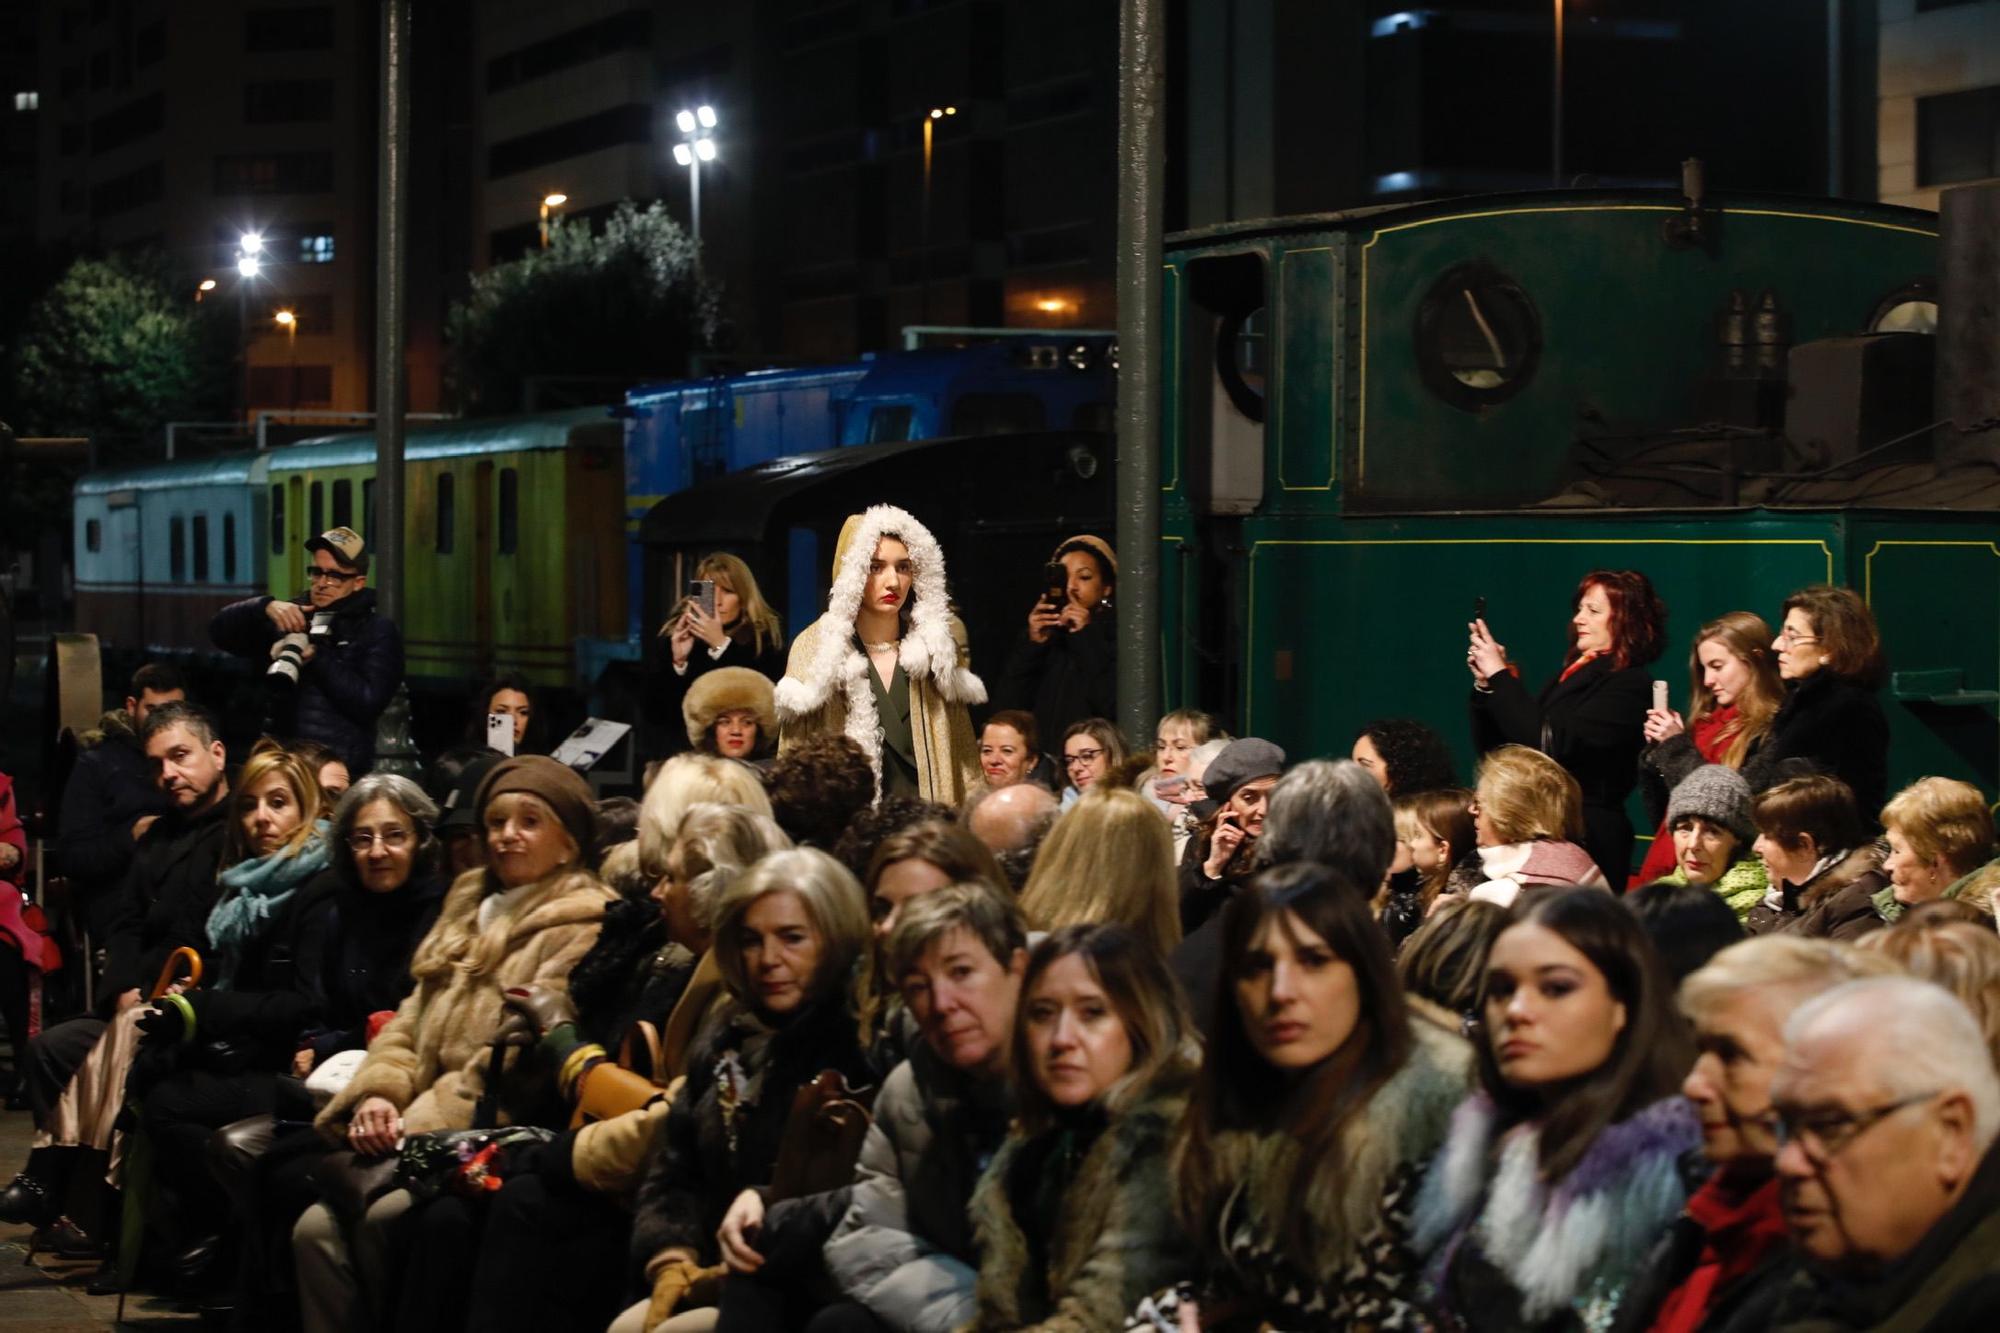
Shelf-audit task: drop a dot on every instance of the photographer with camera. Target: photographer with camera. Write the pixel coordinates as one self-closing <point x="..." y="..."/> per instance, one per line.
<point x="334" y="662"/>
<point x="1064" y="668"/>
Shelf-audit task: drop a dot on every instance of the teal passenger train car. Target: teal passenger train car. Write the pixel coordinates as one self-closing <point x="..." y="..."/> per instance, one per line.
<point x="1373" y="419"/>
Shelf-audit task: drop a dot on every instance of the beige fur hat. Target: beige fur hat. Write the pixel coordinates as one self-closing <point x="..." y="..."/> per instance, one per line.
<point x="722" y="690"/>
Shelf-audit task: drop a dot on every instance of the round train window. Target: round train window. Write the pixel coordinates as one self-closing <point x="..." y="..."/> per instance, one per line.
<point x="1478" y="337"/>
<point x="1240" y="361"/>
<point x="1908" y="309"/>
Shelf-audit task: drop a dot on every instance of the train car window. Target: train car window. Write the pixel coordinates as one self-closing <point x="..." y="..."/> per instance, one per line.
<point x="1242" y="360"/>
<point x="176" y="548"/>
<point x="278" y="519"/>
<point x="201" y="548"/>
<point x="229" y="548"/>
<point x="343" y="504"/>
<point x="93" y="535"/>
<point x="1478" y="337"/>
<point x="997" y="414"/>
<point x="316" y="506"/>
<point x="368" y="507"/>
<point x="447" y="512"/>
<point x="1909" y="309"/>
<point x="510" y="510"/>
<point x="886" y="424"/>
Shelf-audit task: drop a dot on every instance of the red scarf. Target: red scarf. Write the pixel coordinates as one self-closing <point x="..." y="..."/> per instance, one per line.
<point x="1579" y="664"/>
<point x="1738" y="1232"/>
<point x="1709" y="743"/>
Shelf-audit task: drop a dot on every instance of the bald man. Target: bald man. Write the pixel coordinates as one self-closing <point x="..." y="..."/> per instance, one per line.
<point x="1012" y="821"/>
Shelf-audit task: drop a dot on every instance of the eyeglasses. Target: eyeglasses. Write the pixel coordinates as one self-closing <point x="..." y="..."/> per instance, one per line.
<point x="1822" y="1134"/>
<point x="1791" y="638"/>
<point x="317" y="575"/>
<point x="395" y="839"/>
<point x="1082" y="757"/>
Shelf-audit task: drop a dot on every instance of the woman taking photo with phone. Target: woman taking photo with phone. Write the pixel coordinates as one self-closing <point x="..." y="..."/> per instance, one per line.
<point x="1065" y="665"/>
<point x="740" y="630"/>
<point x="1589" y="718"/>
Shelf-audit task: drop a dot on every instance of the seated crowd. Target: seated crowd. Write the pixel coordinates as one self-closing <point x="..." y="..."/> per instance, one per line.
<point x="1164" y="1036"/>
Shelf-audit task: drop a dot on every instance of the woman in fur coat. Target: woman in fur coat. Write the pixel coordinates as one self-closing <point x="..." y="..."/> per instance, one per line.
<point x="1318" y="1108"/>
<point x="1074" y="1216"/>
<point x="1561" y="1171"/>
<point x="525" y="920"/>
<point x="887" y="663"/>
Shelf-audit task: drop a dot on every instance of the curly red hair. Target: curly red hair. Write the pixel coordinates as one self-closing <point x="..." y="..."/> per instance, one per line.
<point x="1638" y="616"/>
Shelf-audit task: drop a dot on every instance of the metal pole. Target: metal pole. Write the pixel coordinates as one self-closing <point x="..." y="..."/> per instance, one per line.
<point x="1556" y="107"/>
<point x="392" y="184"/>
<point x="924" y="252"/>
<point x="694" y="196"/>
<point x="1142" y="65"/>
<point x="1835" y="149"/>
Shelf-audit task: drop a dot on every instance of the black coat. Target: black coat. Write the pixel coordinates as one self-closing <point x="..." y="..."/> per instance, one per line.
<point x="1831" y="725"/>
<point x="349" y="681"/>
<point x="1593" y="724"/>
<point x="111" y="786"/>
<point x="164" y="902"/>
<point x="1067" y="679"/>
<point x="670" y="688"/>
<point x="354" y="955"/>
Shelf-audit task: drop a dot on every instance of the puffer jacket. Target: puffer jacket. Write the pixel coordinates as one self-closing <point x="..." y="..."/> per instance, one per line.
<point x="1115" y="1236"/>
<point x="431" y="1060"/>
<point x="349" y="681"/>
<point x="904" y="1247"/>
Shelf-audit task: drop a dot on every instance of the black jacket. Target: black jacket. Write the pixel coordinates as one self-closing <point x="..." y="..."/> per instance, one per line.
<point x="111" y="786"/>
<point x="165" y="899"/>
<point x="1067" y="679"/>
<point x="349" y="681"/>
<point x="670" y="688"/>
<point x="1831" y="725"/>
<point x="1593" y="724"/>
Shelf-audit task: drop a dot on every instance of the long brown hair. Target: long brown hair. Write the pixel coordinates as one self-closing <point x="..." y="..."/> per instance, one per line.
<point x="755" y="620"/>
<point x="1744" y="636"/>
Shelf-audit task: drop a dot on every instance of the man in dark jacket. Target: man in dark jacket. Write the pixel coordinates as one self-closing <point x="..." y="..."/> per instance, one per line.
<point x="111" y="799"/>
<point x="341" y="660"/>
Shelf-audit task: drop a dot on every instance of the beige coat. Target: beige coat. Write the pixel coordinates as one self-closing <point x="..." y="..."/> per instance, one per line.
<point x="431" y="1059"/>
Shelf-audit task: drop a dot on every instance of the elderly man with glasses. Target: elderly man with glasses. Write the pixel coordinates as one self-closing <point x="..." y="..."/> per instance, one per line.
<point x="335" y="662"/>
<point x="1886" y="1106"/>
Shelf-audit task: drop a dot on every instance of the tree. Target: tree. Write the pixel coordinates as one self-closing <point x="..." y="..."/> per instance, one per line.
<point x="625" y="304"/>
<point x="112" y="352"/>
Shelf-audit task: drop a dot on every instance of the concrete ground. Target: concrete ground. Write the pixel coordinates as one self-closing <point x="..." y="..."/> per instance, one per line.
<point x="47" y="1295"/>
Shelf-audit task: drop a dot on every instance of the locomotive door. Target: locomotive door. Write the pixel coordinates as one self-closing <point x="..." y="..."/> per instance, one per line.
<point x="482" y="567"/>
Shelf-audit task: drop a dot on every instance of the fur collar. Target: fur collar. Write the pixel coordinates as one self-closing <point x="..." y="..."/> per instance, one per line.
<point x="456" y="942"/>
<point x="929" y="650"/>
<point x="1557" y="1240"/>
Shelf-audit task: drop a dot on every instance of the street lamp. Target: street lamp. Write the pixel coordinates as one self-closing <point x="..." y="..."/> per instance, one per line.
<point x="289" y="322"/>
<point x="937" y="114"/>
<point x="249" y="264"/>
<point x="696" y="147"/>
<point x="207" y="285"/>
<point x="550" y="201"/>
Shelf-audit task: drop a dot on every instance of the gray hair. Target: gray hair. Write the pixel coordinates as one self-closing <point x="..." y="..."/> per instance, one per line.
<point x="832" y="900"/>
<point x="1203" y="755"/>
<point x="406" y="796"/>
<point x="717" y="843"/>
<point x="1331" y="811"/>
<point x="1922" y="1039"/>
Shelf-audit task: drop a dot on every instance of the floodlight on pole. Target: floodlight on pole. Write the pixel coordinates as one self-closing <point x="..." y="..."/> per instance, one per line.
<point x="937" y="113"/>
<point x="555" y="199"/>
<point x="705" y="149"/>
<point x="685" y="120"/>
<point x="705" y="114"/>
<point x="695" y="148"/>
<point x="251" y="243"/>
<point x="249" y="265"/>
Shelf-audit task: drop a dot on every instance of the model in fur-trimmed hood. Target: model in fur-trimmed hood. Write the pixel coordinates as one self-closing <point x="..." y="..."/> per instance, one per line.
<point x="826" y="687"/>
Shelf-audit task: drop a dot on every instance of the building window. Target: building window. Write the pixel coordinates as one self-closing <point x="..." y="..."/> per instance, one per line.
<point x="93" y="536"/>
<point x="1955" y="137"/>
<point x="630" y="31"/>
<point x="28" y="101"/>
<point x="343" y="504"/>
<point x="447" y="512"/>
<point x="316" y="249"/>
<point x="278" y="519"/>
<point x="631" y="123"/>
<point x="176" y="548"/>
<point x="274" y="173"/>
<point x="510" y="510"/>
<point x="287" y="101"/>
<point x="122" y="194"/>
<point x="149" y="45"/>
<point x="201" y="548"/>
<point x="129" y="123"/>
<point x="316" y="507"/>
<point x="308" y="29"/>
<point x="229" y="548"/>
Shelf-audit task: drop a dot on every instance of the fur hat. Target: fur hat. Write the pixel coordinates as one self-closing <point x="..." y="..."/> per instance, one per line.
<point x="556" y="783"/>
<point x="724" y="690"/>
<point x="1718" y="794"/>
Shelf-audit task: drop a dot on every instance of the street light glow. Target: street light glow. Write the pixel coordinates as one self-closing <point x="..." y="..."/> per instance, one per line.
<point x="252" y="243"/>
<point x="683" y="155"/>
<point x="555" y="201"/>
<point x="207" y="285"/>
<point x="705" y="149"/>
<point x="686" y="121"/>
<point x="248" y="265"/>
<point x="285" y="318"/>
<point x="706" y="115"/>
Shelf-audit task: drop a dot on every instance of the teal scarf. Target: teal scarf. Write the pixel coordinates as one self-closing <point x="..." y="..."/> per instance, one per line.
<point x="252" y="893"/>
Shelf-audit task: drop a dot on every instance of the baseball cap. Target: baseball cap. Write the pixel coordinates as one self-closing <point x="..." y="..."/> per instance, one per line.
<point x="344" y="545"/>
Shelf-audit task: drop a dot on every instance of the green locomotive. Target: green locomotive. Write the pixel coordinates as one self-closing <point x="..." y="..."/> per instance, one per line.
<point x="1375" y="418"/>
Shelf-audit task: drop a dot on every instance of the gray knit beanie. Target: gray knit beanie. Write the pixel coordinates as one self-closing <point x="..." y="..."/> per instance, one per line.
<point x="1718" y="794"/>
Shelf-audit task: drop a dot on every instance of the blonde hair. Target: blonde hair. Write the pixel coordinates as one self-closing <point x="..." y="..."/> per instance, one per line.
<point x="716" y="844"/>
<point x="1526" y="795"/>
<point x="1745" y="636"/>
<point x="1943" y="817"/>
<point x="1109" y="859"/>
<point x="832" y="900"/>
<point x="299" y="776"/>
<point x="1961" y="957"/>
<point x="755" y="614"/>
<point x="684" y="781"/>
<point x="1795" y="963"/>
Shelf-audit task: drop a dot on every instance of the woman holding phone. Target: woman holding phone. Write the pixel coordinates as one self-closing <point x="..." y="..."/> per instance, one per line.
<point x="1590" y="718"/>
<point x="737" y="628"/>
<point x="1064" y="668"/>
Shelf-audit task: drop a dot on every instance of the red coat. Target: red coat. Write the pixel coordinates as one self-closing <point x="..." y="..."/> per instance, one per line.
<point x="36" y="949"/>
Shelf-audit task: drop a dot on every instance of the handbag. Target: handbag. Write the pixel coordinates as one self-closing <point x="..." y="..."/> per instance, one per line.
<point x="606" y="1091"/>
<point x="468" y="1163"/>
<point x="823" y="1136"/>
